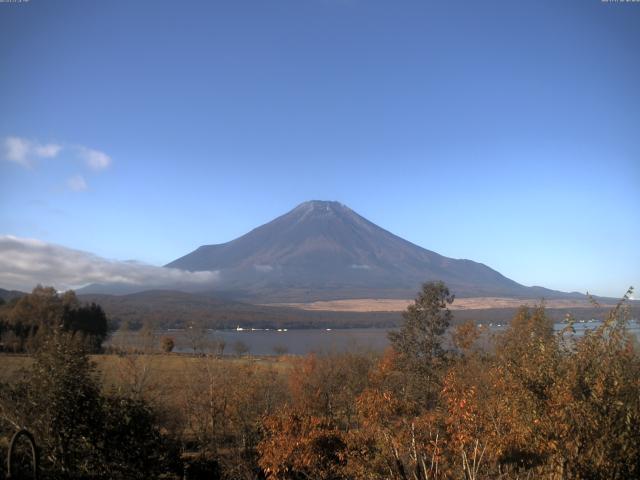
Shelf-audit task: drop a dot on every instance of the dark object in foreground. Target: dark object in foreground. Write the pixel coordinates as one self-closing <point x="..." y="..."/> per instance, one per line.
<point x="34" y="453"/>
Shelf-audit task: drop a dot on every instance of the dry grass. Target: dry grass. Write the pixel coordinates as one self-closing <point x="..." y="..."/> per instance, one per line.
<point x="392" y="305"/>
<point x="143" y="370"/>
<point x="12" y="365"/>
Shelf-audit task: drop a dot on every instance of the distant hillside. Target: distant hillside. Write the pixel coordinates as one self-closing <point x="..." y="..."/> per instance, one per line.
<point x="7" y="295"/>
<point x="171" y="309"/>
<point x="175" y="309"/>
<point x="324" y="250"/>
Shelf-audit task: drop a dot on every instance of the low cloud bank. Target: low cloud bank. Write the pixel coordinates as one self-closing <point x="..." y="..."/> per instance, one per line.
<point x="25" y="263"/>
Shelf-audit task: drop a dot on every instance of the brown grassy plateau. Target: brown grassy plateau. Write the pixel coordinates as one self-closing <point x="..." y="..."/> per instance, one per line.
<point x="392" y="305"/>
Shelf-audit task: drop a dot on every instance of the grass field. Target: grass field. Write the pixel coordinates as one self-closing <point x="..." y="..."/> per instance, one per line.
<point x="155" y="372"/>
<point x="391" y="305"/>
<point x="11" y="366"/>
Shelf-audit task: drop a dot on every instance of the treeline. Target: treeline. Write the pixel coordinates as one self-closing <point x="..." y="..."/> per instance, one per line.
<point x="26" y="321"/>
<point x="169" y="309"/>
<point x="159" y="309"/>
<point x="535" y="404"/>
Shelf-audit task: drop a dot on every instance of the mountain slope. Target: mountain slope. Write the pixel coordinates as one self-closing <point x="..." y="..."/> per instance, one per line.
<point x="324" y="250"/>
<point x="7" y="295"/>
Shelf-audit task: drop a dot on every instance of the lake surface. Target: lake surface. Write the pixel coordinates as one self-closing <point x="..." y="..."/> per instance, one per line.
<point x="296" y="341"/>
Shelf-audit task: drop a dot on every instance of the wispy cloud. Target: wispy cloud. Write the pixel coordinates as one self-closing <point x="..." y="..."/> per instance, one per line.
<point x="16" y="150"/>
<point x="263" y="268"/>
<point x="94" y="159"/>
<point x="47" y="151"/>
<point x="23" y="151"/>
<point x="26" y="262"/>
<point x="77" y="183"/>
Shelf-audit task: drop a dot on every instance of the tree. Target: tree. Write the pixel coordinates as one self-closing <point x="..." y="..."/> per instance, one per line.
<point x="221" y="344"/>
<point x="133" y="447"/>
<point x="425" y="322"/>
<point x="34" y="316"/>
<point x="196" y="334"/>
<point x="89" y="320"/>
<point x="60" y="402"/>
<point x="280" y="350"/>
<point x="419" y="340"/>
<point x="80" y="432"/>
<point x="298" y="447"/>
<point x="167" y="344"/>
<point x="240" y="348"/>
<point x="147" y="337"/>
<point x="596" y="431"/>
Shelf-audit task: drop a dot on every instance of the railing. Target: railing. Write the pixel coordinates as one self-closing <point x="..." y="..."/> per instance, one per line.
<point x="10" y="454"/>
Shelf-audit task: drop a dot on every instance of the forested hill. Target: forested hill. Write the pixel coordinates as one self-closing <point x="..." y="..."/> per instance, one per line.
<point x="6" y="295"/>
<point x="171" y="309"/>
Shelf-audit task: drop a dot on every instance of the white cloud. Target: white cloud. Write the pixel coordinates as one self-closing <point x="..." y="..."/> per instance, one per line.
<point x="26" y="262"/>
<point x="47" y="151"/>
<point x="23" y="151"/>
<point x="95" y="159"/>
<point x="361" y="266"/>
<point x="16" y="150"/>
<point x="263" y="268"/>
<point x="77" y="183"/>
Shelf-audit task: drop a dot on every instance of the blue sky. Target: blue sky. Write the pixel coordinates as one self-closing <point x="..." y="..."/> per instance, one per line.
<point x="504" y="132"/>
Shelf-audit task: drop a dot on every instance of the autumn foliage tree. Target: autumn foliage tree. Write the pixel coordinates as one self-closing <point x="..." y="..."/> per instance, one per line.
<point x="538" y="403"/>
<point x="299" y="446"/>
<point x="28" y="320"/>
<point x="307" y="439"/>
<point x="593" y="423"/>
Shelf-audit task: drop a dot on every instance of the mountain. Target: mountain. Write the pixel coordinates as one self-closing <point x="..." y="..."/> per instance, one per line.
<point x="7" y="295"/>
<point x="325" y="250"/>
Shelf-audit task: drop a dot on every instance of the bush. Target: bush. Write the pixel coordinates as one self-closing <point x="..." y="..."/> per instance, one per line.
<point x="80" y="432"/>
<point x="167" y="344"/>
<point x="133" y="446"/>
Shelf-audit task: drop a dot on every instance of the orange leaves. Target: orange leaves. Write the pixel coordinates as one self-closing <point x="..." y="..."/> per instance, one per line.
<point x="378" y="407"/>
<point x="464" y="336"/>
<point x="542" y="405"/>
<point x="385" y="366"/>
<point x="462" y="411"/>
<point x="297" y="445"/>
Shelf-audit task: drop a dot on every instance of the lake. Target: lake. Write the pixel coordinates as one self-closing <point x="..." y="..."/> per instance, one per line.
<point x="297" y="341"/>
